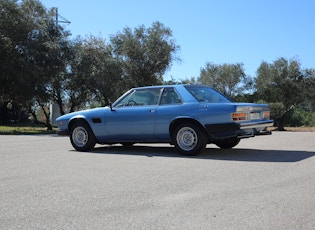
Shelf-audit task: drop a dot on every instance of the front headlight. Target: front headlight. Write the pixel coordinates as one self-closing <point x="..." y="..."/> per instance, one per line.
<point x="62" y="124"/>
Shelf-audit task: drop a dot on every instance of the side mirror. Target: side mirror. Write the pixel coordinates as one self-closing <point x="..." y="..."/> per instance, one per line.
<point x="111" y="106"/>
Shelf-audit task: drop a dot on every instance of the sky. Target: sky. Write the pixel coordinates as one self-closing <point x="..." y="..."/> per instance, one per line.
<point x="215" y="31"/>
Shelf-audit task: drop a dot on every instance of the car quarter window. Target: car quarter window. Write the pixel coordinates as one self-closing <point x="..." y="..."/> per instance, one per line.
<point x="170" y="97"/>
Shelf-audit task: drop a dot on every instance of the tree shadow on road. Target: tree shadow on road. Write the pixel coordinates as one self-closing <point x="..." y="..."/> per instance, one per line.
<point x="251" y="155"/>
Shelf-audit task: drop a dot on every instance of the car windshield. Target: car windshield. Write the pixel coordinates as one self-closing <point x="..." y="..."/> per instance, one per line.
<point x="207" y="94"/>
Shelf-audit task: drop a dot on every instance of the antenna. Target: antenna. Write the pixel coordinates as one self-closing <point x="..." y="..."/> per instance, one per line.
<point x="57" y="17"/>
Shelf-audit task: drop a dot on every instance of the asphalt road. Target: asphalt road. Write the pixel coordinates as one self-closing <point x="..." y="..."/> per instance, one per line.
<point x="266" y="182"/>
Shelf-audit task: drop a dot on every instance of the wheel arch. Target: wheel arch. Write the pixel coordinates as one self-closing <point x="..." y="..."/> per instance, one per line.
<point x="76" y="119"/>
<point x="81" y="134"/>
<point x="181" y="120"/>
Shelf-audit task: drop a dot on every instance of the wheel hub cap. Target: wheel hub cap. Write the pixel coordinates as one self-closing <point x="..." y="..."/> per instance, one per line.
<point x="80" y="136"/>
<point x="187" y="138"/>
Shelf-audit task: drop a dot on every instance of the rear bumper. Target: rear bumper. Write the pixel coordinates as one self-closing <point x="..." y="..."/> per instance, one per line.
<point x="256" y="125"/>
<point x="239" y="130"/>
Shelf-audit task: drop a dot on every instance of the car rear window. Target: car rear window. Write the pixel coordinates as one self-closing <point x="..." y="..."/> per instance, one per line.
<point x="207" y="94"/>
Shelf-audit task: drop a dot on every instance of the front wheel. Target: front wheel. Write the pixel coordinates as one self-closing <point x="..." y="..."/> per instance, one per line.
<point x="82" y="137"/>
<point x="189" y="139"/>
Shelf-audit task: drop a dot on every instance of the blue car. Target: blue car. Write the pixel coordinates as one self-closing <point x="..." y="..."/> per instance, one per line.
<point x="186" y="116"/>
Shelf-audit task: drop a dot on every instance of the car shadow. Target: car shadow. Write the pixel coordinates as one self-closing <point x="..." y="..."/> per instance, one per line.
<point x="251" y="155"/>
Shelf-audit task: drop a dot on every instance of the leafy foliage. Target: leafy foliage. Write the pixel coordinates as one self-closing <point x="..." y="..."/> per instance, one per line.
<point x="92" y="72"/>
<point x="40" y="64"/>
<point x="299" y="117"/>
<point x="229" y="79"/>
<point x="145" y="53"/>
<point x="282" y="84"/>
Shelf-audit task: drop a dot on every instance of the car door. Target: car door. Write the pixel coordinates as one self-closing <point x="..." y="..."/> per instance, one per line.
<point x="134" y="118"/>
<point x="171" y="107"/>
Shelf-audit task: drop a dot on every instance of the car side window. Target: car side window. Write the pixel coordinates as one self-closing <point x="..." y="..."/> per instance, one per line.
<point x="144" y="97"/>
<point x="170" y="97"/>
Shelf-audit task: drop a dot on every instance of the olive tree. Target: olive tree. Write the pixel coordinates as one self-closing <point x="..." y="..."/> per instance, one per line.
<point x="281" y="84"/>
<point x="94" y="74"/>
<point x="145" y="53"/>
<point x="229" y="79"/>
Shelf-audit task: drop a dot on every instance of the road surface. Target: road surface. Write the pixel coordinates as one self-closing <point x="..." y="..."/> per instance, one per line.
<point x="266" y="182"/>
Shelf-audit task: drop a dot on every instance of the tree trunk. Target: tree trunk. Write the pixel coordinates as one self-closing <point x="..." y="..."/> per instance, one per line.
<point x="280" y="124"/>
<point x="31" y="111"/>
<point x="59" y="102"/>
<point x="47" y="116"/>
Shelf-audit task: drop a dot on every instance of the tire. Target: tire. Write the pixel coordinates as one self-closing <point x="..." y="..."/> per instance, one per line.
<point x="127" y="144"/>
<point x="228" y="143"/>
<point x="189" y="139"/>
<point x="82" y="137"/>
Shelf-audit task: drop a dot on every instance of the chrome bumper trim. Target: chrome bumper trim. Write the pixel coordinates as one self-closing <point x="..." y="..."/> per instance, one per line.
<point x="253" y="125"/>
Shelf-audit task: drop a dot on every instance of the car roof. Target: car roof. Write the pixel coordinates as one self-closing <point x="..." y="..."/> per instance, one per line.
<point x="167" y="86"/>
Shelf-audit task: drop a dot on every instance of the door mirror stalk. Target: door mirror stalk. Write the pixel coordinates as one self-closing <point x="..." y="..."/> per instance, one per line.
<point x="111" y="106"/>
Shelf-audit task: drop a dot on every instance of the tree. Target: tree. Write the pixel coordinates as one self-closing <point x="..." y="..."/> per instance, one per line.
<point x="14" y="31"/>
<point x="33" y="54"/>
<point x="146" y="53"/>
<point x="308" y="92"/>
<point x="280" y="84"/>
<point x="229" y="79"/>
<point x="94" y="74"/>
<point x="21" y="54"/>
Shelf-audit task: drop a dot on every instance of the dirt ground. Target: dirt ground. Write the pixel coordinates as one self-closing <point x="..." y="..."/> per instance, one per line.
<point x="296" y="129"/>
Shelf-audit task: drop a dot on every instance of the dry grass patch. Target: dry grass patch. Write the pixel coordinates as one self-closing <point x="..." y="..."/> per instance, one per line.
<point x="296" y="129"/>
<point x="24" y="129"/>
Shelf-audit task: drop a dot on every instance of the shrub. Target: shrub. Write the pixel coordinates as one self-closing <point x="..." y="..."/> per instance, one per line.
<point x="299" y="117"/>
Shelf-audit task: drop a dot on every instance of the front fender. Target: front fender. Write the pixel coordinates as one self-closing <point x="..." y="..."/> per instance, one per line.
<point x="76" y="118"/>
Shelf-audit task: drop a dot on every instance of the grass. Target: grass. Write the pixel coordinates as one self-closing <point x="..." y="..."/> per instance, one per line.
<point x="25" y="129"/>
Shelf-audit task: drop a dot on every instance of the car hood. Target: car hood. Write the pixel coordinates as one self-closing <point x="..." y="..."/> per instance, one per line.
<point x="82" y="113"/>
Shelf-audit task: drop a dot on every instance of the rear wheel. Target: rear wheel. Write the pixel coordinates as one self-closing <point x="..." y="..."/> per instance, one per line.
<point x="189" y="139"/>
<point x="228" y="143"/>
<point x="82" y="137"/>
<point x="127" y="144"/>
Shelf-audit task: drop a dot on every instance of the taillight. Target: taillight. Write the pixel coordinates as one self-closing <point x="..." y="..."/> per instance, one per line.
<point x="266" y="115"/>
<point x="239" y="116"/>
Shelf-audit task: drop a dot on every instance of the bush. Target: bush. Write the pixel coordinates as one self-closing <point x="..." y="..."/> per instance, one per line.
<point x="299" y="117"/>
